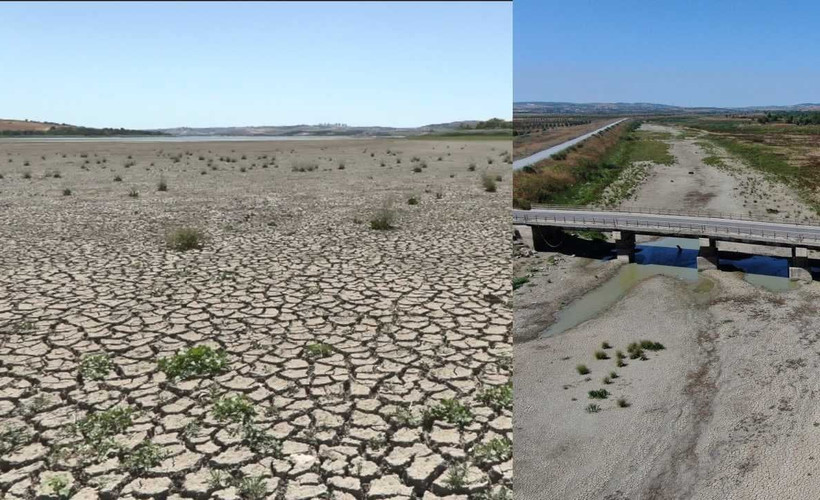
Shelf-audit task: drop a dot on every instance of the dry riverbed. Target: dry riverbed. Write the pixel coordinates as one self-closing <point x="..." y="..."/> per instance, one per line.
<point x="725" y="410"/>
<point x="705" y="177"/>
<point x="341" y="361"/>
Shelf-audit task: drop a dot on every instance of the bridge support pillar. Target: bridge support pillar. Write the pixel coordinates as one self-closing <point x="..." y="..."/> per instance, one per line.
<point x="799" y="269"/>
<point x="624" y="245"/>
<point x="546" y="238"/>
<point x="707" y="254"/>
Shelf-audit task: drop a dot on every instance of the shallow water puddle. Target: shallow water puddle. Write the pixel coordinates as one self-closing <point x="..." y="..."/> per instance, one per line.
<point x="601" y="298"/>
<point x="676" y="258"/>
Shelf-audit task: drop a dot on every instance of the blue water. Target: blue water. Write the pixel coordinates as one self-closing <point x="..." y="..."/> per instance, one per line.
<point x="758" y="264"/>
<point x="662" y="257"/>
<point x="664" y="252"/>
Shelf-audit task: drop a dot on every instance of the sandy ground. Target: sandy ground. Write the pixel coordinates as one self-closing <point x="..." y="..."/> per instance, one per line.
<point x="690" y="184"/>
<point x="555" y="280"/>
<point x="726" y="411"/>
<point x="406" y="317"/>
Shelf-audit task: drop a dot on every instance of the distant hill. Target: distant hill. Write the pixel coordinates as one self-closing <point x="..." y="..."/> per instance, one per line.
<point x="31" y="128"/>
<point x="639" y="108"/>
<point x="493" y="126"/>
<point x="466" y="126"/>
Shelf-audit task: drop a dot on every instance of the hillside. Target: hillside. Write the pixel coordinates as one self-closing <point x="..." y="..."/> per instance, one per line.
<point x="16" y="128"/>
<point x="466" y="126"/>
<point x="639" y="108"/>
<point x="494" y="126"/>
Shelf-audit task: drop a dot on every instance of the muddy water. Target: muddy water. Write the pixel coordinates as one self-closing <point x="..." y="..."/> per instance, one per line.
<point x="676" y="258"/>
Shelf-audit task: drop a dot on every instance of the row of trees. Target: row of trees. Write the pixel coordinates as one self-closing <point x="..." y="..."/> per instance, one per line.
<point x="78" y="131"/>
<point x="535" y="124"/>
<point x="795" y="117"/>
<point x="491" y="124"/>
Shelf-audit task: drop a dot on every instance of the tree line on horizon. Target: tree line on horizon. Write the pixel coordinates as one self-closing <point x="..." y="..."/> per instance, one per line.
<point x="794" y="117"/>
<point x="83" y="131"/>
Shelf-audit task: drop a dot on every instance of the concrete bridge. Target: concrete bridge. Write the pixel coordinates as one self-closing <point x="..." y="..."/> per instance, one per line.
<point x="708" y="227"/>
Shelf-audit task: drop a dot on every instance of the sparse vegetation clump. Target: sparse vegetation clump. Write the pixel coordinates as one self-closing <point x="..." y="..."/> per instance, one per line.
<point x="318" y="350"/>
<point x="133" y="193"/>
<point x="97" y="429"/>
<point x="652" y="346"/>
<point x="582" y="369"/>
<point x="598" y="394"/>
<point x="236" y="409"/>
<point x="95" y="366"/>
<point x="489" y="184"/>
<point x="412" y="200"/>
<point x="197" y="361"/>
<point x="405" y="417"/>
<point x="12" y="438"/>
<point x="493" y="451"/>
<point x="239" y="412"/>
<point x="252" y="488"/>
<point x="592" y="408"/>
<point x="162" y="185"/>
<point x="145" y="456"/>
<point x="447" y="410"/>
<point x="522" y="204"/>
<point x="383" y="219"/>
<point x="58" y="485"/>
<point x="66" y="192"/>
<point x="498" y="398"/>
<point x="456" y="475"/>
<point x="601" y="355"/>
<point x="185" y="238"/>
<point x="305" y="167"/>
<point x="636" y="349"/>
<point x="622" y="403"/>
<point x="519" y="282"/>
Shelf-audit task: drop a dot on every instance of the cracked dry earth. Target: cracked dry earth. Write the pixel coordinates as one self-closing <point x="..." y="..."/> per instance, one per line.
<point x="410" y="320"/>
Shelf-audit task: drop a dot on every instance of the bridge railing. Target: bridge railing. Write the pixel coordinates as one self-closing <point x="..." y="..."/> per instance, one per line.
<point x="686" y="213"/>
<point x="611" y="223"/>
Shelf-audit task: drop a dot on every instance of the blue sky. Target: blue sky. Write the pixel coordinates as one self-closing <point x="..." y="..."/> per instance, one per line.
<point x="708" y="53"/>
<point x="146" y="65"/>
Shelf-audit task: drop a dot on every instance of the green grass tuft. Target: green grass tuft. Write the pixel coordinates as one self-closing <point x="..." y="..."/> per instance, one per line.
<point x="519" y="282"/>
<point x="447" y="410"/>
<point x="598" y="394"/>
<point x="498" y="398"/>
<point x="145" y="456"/>
<point x="195" y="362"/>
<point x="185" y="238"/>
<point x="318" y="350"/>
<point x="95" y="367"/>
<point x="494" y="451"/>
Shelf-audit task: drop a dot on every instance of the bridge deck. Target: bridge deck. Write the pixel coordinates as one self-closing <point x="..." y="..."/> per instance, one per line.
<point x="665" y="224"/>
